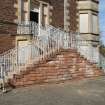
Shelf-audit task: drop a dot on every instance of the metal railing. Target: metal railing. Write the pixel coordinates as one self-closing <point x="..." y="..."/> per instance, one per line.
<point x="46" y="42"/>
<point x="102" y="62"/>
<point x="28" y="27"/>
<point x="87" y="49"/>
<point x="2" y="79"/>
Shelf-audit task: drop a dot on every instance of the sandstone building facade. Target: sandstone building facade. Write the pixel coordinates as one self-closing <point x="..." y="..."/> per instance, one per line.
<point x="46" y="45"/>
<point x="67" y="14"/>
<point x="70" y="15"/>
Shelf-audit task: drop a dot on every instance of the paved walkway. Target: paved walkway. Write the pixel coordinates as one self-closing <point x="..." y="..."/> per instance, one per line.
<point x="85" y="92"/>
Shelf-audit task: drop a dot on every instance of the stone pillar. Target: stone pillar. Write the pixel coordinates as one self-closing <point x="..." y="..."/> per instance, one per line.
<point x="90" y="21"/>
<point x="40" y="14"/>
<point x="29" y="5"/>
<point x="66" y="16"/>
<point x="90" y="7"/>
<point x="19" y="10"/>
<point x="48" y="11"/>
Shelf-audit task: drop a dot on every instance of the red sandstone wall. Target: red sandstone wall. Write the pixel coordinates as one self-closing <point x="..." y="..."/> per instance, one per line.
<point x="57" y="13"/>
<point x="73" y="15"/>
<point x="6" y="42"/>
<point x="7" y="16"/>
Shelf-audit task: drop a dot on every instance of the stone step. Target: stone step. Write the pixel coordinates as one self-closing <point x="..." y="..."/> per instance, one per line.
<point x="66" y="65"/>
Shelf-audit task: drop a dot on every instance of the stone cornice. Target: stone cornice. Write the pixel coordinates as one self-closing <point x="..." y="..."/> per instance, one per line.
<point x="96" y="1"/>
<point x="88" y="10"/>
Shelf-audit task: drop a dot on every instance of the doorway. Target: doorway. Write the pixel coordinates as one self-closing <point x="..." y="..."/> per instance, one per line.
<point x="34" y="16"/>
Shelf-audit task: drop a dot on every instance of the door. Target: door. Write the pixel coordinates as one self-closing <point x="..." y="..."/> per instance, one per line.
<point x="34" y="16"/>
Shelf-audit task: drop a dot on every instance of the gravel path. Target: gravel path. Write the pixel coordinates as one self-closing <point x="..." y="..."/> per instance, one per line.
<point x="83" y="92"/>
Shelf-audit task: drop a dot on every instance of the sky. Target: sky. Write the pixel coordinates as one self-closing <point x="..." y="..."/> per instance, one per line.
<point x="102" y="19"/>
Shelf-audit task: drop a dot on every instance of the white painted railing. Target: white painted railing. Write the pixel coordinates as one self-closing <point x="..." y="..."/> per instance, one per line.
<point x="87" y="49"/>
<point x="102" y="62"/>
<point x="46" y="42"/>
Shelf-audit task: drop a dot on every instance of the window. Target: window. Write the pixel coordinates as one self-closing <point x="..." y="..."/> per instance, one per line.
<point x="95" y="24"/>
<point x="34" y="16"/>
<point x="84" y="23"/>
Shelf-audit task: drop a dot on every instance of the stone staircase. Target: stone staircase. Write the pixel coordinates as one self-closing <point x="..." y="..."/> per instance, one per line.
<point x="65" y="65"/>
<point x="52" y="55"/>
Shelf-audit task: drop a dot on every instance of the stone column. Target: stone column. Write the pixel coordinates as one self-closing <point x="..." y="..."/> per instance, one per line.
<point x="19" y="10"/>
<point x="40" y="14"/>
<point x="29" y="7"/>
<point x="48" y="13"/>
<point x="90" y="22"/>
<point x="66" y="15"/>
<point x="90" y="7"/>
